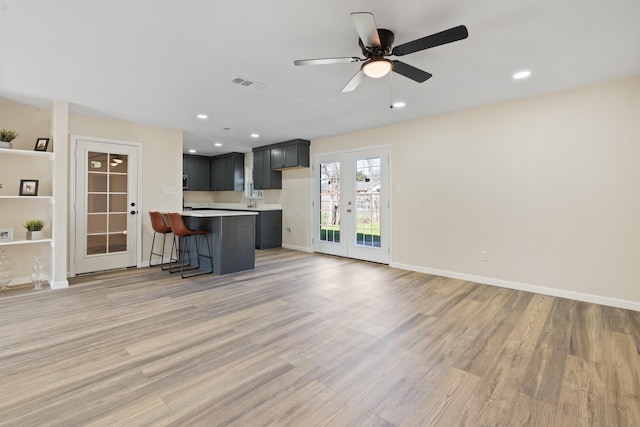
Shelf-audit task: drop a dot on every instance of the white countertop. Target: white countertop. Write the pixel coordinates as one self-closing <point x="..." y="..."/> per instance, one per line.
<point x="214" y="213"/>
<point x="234" y="206"/>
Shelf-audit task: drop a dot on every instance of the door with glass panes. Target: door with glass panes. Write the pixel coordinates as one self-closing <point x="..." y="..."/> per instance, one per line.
<point x="351" y="204"/>
<point x="106" y="206"/>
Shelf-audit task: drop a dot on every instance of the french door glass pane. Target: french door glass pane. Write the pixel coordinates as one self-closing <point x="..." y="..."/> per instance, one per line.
<point x="106" y="203"/>
<point x="330" y="202"/>
<point x="367" y="206"/>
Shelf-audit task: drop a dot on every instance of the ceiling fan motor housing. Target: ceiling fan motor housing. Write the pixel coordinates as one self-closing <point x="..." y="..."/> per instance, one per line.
<point x="386" y="42"/>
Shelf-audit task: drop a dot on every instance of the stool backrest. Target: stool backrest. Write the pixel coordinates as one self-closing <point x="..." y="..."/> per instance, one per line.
<point x="158" y="224"/>
<point x="178" y="226"/>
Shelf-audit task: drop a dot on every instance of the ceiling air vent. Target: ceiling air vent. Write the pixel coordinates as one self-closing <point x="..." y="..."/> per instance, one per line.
<point x="241" y="81"/>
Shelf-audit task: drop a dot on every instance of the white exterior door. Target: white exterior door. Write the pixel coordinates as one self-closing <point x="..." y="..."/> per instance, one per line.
<point x="351" y="204"/>
<point x="106" y="205"/>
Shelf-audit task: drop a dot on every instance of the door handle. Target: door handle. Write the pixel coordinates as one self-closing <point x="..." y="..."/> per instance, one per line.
<point x="348" y="210"/>
<point x="133" y="212"/>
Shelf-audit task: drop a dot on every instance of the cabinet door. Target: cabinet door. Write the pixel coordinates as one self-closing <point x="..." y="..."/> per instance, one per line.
<point x="218" y="174"/>
<point x="264" y="177"/>
<point x="197" y="169"/>
<point x="291" y="156"/>
<point x="261" y="170"/>
<point x="278" y="158"/>
<point x="234" y="173"/>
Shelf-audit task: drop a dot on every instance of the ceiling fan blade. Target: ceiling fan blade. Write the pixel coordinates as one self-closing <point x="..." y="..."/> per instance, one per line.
<point x="443" y="37"/>
<point x="366" y="27"/>
<point x="354" y="82"/>
<point x="323" y="61"/>
<point x="410" y="71"/>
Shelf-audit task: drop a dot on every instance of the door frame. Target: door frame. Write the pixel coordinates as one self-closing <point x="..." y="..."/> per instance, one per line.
<point x="72" y="196"/>
<point x="314" y="196"/>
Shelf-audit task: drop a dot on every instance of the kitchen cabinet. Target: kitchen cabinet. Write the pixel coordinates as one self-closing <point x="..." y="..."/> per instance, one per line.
<point x="290" y="154"/>
<point x="217" y="174"/>
<point x="197" y="171"/>
<point x="227" y="172"/>
<point x="268" y="226"/>
<point x="234" y="172"/>
<point x="269" y="229"/>
<point x="264" y="177"/>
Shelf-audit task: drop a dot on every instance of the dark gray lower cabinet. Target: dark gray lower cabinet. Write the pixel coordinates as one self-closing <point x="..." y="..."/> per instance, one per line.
<point x="269" y="229"/>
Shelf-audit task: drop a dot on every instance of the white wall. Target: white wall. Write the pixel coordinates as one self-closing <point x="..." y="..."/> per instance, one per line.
<point x="548" y="186"/>
<point x="161" y="163"/>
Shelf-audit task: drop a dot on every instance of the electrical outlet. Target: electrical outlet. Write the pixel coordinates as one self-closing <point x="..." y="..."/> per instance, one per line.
<point x="484" y="256"/>
<point x="289" y="231"/>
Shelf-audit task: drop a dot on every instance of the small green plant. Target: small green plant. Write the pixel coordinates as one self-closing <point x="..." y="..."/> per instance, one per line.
<point x="34" y="225"/>
<point x="7" y="135"/>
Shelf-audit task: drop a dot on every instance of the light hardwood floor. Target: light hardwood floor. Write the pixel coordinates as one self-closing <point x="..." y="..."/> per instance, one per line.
<point x="311" y="340"/>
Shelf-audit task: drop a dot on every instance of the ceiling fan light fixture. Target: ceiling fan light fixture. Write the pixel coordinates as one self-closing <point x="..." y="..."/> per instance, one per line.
<point x="376" y="68"/>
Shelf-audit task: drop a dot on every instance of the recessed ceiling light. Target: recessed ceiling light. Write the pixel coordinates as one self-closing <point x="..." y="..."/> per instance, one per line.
<point x="522" y="74"/>
<point x="192" y="151"/>
<point x="217" y="144"/>
<point x="255" y="135"/>
<point x="202" y="116"/>
<point x="398" y="104"/>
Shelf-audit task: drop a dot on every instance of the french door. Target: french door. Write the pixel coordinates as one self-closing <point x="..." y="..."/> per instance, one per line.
<point x="106" y="206"/>
<point x="351" y="204"/>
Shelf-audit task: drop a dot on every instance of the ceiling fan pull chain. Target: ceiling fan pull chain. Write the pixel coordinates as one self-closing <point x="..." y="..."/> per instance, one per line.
<point x="391" y="90"/>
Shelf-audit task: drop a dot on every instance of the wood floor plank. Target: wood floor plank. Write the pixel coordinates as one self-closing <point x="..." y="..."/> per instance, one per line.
<point x="312" y="340"/>
<point x="441" y="407"/>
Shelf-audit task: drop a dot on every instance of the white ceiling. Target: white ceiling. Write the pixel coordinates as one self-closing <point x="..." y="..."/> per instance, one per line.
<point x="161" y="62"/>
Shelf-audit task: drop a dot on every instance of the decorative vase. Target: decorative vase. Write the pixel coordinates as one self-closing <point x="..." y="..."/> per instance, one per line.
<point x="34" y="235"/>
<point x="5" y="144"/>
<point x="6" y="273"/>
<point x="38" y="275"/>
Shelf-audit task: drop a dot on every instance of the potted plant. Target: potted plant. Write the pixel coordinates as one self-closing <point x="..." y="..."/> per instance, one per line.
<point x="6" y="136"/>
<point x="34" y="229"/>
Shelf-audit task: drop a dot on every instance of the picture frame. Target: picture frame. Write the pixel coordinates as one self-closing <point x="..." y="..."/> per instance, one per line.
<point x="28" y="187"/>
<point x="6" y="235"/>
<point x="41" y="144"/>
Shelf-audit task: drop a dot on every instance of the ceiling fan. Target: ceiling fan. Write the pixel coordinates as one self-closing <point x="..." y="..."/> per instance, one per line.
<point x="376" y="44"/>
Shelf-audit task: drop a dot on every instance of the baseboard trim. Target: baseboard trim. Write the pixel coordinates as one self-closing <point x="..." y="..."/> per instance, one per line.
<point x="578" y="296"/>
<point x="297" y="248"/>
<point x="60" y="284"/>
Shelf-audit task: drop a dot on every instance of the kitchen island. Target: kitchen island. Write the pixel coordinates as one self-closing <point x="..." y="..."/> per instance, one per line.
<point x="231" y="237"/>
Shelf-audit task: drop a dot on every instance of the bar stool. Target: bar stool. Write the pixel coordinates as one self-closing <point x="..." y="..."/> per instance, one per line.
<point x="159" y="226"/>
<point x="181" y="231"/>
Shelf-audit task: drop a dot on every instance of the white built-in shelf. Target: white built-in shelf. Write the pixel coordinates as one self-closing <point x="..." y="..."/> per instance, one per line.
<point x="25" y="242"/>
<point x="27" y="197"/>
<point x="26" y="152"/>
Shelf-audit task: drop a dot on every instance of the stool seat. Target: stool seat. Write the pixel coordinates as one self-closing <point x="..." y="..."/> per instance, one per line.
<point x="182" y="250"/>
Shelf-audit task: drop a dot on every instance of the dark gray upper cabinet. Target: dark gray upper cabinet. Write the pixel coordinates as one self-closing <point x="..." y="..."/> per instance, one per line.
<point x="290" y="154"/>
<point x="269" y="160"/>
<point x="227" y="172"/>
<point x="264" y="177"/>
<point x="217" y="174"/>
<point x="197" y="171"/>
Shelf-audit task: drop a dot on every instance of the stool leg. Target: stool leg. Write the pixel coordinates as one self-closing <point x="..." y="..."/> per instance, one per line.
<point x="206" y="238"/>
<point x="183" y="253"/>
<point x="153" y="242"/>
<point x="195" y="258"/>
